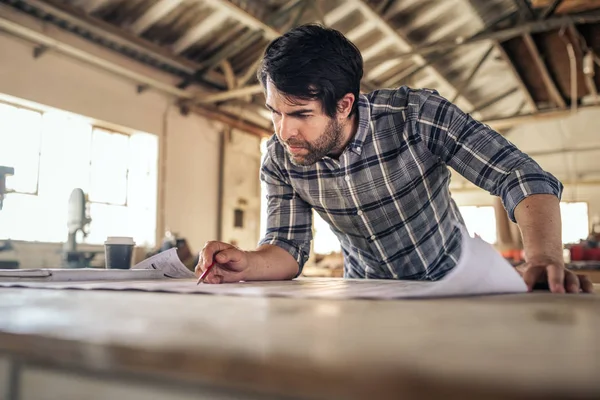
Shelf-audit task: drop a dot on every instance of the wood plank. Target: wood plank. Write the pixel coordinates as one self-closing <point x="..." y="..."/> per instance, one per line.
<point x="40" y="383"/>
<point x="568" y="6"/>
<point x="4" y="377"/>
<point x="532" y="346"/>
<point x="544" y="73"/>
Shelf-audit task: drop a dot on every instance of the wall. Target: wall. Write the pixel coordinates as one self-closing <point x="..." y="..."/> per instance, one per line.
<point x="242" y="189"/>
<point x="189" y="143"/>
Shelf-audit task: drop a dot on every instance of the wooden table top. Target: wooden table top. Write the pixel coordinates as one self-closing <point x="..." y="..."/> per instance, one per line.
<point x="535" y="345"/>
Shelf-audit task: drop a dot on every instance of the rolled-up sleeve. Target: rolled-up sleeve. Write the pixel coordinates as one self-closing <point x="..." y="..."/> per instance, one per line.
<point x="289" y="218"/>
<point x="482" y="155"/>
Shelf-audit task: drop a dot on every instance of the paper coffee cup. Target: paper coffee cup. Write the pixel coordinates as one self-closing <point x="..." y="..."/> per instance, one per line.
<point x="118" y="252"/>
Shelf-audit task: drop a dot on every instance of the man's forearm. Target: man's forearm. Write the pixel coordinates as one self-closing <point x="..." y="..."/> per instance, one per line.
<point x="270" y="263"/>
<point x="538" y="217"/>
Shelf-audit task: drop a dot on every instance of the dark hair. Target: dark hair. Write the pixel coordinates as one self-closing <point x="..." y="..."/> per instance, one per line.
<point x="312" y="62"/>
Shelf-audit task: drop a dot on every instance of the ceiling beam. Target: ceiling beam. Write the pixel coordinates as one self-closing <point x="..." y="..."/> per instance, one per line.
<point x="525" y="10"/>
<point x="495" y="100"/>
<point x="250" y="72"/>
<point x="562" y="151"/>
<point x="242" y="16"/>
<point x="548" y="11"/>
<point x="92" y="6"/>
<point x="230" y="94"/>
<point x="159" y="10"/>
<point x="339" y="13"/>
<point x="528" y="98"/>
<point x="403" y="45"/>
<point x="500" y="123"/>
<point x="199" y="31"/>
<point x="503" y="34"/>
<point x="230" y="120"/>
<point x="544" y="73"/>
<point x="243" y="42"/>
<point x="385" y="6"/>
<point x="464" y="84"/>
<point x="89" y="58"/>
<point x="360" y="31"/>
<point x="122" y="37"/>
<point x="410" y="73"/>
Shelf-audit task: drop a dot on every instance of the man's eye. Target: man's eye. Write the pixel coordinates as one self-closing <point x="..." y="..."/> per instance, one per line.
<point x="304" y="116"/>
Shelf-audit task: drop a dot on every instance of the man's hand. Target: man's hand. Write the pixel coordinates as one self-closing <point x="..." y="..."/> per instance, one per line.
<point x="542" y="272"/>
<point x="538" y="217"/>
<point x="231" y="263"/>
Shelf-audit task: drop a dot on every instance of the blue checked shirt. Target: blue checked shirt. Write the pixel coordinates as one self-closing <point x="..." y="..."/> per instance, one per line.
<point x="387" y="197"/>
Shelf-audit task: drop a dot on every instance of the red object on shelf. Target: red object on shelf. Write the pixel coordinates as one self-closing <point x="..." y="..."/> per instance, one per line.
<point x="577" y="251"/>
<point x="583" y="253"/>
<point x="591" y="253"/>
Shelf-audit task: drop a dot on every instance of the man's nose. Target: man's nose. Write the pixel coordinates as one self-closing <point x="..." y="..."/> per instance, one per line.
<point x="287" y="128"/>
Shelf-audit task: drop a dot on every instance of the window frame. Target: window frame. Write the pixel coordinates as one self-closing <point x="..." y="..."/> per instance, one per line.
<point x="94" y="125"/>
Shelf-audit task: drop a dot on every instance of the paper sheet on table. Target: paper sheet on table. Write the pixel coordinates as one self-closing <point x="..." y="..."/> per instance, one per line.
<point x="160" y="266"/>
<point x="168" y="263"/>
<point x="76" y="275"/>
<point x="480" y="270"/>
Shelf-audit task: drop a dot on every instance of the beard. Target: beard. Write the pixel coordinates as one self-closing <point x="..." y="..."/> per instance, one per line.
<point x="330" y="140"/>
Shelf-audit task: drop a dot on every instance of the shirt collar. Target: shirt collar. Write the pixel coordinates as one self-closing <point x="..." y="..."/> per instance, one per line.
<point x="364" y="118"/>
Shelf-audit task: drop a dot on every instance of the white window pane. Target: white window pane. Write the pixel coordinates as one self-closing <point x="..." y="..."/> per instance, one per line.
<point x="113" y="169"/>
<point x="143" y="171"/>
<point x="575" y="222"/>
<point x="65" y="157"/>
<point x="20" y="132"/>
<point x="107" y="220"/>
<point x="480" y="221"/>
<point x="110" y="158"/>
<point x="142" y="187"/>
<point x="28" y="217"/>
<point x="7" y="122"/>
<point x="325" y="241"/>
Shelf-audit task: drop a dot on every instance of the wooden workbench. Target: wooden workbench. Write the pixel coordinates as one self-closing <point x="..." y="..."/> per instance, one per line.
<point x="130" y="345"/>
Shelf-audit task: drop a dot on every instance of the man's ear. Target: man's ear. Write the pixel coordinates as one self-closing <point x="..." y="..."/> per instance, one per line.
<point x="344" y="105"/>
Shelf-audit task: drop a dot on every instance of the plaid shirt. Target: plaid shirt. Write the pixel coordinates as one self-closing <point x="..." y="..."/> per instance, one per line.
<point x="387" y="197"/>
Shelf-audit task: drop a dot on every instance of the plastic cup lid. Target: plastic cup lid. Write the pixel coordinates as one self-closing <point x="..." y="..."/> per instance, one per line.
<point x="123" y="240"/>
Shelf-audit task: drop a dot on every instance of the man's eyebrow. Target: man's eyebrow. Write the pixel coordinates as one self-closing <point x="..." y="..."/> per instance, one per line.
<point x="301" y="111"/>
<point x="295" y="112"/>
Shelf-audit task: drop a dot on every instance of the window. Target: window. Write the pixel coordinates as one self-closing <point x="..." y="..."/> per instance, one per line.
<point x="324" y="240"/>
<point x="480" y="221"/>
<point x="574" y="221"/>
<point x="53" y="153"/>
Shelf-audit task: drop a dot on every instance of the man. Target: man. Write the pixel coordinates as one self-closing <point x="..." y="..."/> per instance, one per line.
<point x="375" y="167"/>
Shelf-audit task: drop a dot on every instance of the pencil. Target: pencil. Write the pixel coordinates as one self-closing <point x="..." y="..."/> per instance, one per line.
<point x="205" y="273"/>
